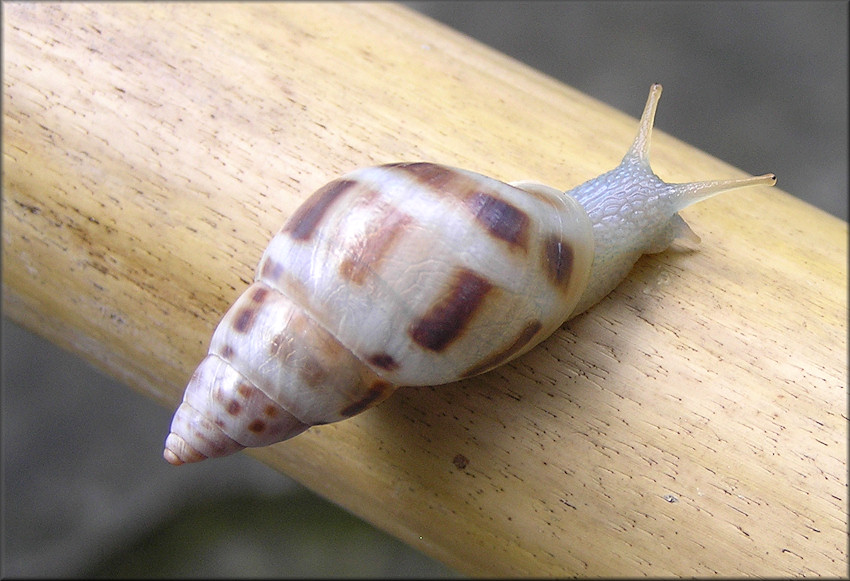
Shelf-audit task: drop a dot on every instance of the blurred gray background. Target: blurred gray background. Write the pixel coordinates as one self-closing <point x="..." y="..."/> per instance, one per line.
<point x="761" y="85"/>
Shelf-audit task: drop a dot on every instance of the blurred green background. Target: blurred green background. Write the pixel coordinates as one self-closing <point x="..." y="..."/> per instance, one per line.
<point x="761" y="85"/>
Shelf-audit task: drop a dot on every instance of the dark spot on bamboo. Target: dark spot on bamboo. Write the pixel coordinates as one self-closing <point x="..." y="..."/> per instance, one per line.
<point x="501" y="219"/>
<point x="460" y="461"/>
<point x="306" y="218"/>
<point x="384" y="361"/>
<point x="446" y="319"/>
<point x="558" y="260"/>
<point x="373" y="395"/>
<point x="526" y="335"/>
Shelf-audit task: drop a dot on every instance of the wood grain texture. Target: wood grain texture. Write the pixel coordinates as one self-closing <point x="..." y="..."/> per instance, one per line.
<point x="693" y="423"/>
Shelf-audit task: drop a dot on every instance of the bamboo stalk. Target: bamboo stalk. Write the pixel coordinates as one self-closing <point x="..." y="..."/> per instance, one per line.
<point x="692" y="423"/>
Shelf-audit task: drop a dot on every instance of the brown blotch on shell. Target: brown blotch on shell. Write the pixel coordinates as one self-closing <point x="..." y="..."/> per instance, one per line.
<point x="446" y="319"/>
<point x="233" y="407"/>
<point x="272" y="270"/>
<point x="226" y="353"/>
<point x="245" y="390"/>
<point x="364" y="256"/>
<point x="375" y="394"/>
<point x="479" y="196"/>
<point x="558" y="257"/>
<point x="430" y="175"/>
<point x="448" y="182"/>
<point x="501" y="219"/>
<point x="258" y="295"/>
<point x="526" y="335"/>
<point x="307" y="217"/>
<point x="312" y="371"/>
<point x="384" y="361"/>
<point x="245" y="317"/>
<point x="257" y="426"/>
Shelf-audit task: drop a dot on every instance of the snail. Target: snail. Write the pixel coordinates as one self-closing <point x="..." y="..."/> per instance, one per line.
<point x="418" y="274"/>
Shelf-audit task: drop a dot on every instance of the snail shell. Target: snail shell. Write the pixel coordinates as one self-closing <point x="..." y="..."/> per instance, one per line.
<point x="404" y="274"/>
<point x="415" y="274"/>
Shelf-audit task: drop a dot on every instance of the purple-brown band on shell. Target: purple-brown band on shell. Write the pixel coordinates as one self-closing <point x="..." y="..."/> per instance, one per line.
<point x="364" y="256"/>
<point x="226" y="353"/>
<point x="430" y="175"/>
<point x="306" y="218"/>
<point x="307" y="365"/>
<point x="384" y="361"/>
<point x="558" y="260"/>
<point x="311" y="370"/>
<point x="501" y="219"/>
<point x="526" y="335"/>
<point x="245" y="317"/>
<point x="255" y="419"/>
<point x="376" y="393"/>
<point x="271" y="270"/>
<point x="446" y="319"/>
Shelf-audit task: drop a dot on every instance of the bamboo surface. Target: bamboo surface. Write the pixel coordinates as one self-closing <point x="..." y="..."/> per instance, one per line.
<point x="692" y="423"/>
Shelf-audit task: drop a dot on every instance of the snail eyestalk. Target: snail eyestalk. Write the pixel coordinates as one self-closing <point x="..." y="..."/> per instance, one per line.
<point x="634" y="212"/>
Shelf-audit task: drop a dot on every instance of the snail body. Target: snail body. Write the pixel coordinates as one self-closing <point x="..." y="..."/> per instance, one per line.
<point x="417" y="274"/>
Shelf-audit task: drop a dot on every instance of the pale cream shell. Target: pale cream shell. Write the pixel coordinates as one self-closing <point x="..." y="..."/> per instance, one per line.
<point x="407" y="274"/>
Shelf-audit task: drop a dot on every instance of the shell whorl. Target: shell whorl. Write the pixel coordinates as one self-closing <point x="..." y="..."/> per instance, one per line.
<point x="425" y="271"/>
<point x="404" y="274"/>
<point x="271" y="373"/>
